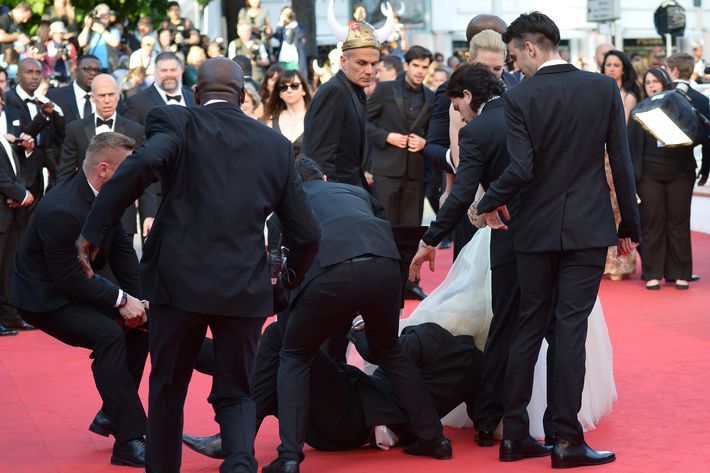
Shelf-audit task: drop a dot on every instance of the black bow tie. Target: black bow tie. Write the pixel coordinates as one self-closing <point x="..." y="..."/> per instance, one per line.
<point x="177" y="98"/>
<point x="100" y="122"/>
<point x="32" y="100"/>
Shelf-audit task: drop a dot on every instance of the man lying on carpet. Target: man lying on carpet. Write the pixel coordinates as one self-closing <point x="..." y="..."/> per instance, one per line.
<point x="348" y="408"/>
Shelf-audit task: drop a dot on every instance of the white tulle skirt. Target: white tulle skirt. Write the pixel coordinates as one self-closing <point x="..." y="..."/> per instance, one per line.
<point x="462" y="305"/>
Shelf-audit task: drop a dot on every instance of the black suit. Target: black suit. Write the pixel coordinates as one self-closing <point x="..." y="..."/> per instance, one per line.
<point x="564" y="226"/>
<point x="66" y="99"/>
<point x="335" y="131"/>
<point x="139" y="105"/>
<point x="399" y="174"/>
<point x="78" y="135"/>
<point x="357" y="257"/>
<point x="52" y="292"/>
<point x="204" y="262"/>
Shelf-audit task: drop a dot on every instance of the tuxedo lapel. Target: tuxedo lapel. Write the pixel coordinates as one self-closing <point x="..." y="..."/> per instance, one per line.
<point x="188" y="97"/>
<point x="398" y="97"/>
<point x="155" y="95"/>
<point x="71" y="98"/>
<point x="89" y="127"/>
<point x="9" y="158"/>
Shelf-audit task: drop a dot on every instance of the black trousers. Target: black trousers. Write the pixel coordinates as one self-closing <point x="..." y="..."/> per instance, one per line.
<point x="402" y="198"/>
<point x="665" y="217"/>
<point x="9" y="243"/>
<point x="576" y="276"/>
<point x="118" y="360"/>
<point x="175" y="340"/>
<point x="371" y="288"/>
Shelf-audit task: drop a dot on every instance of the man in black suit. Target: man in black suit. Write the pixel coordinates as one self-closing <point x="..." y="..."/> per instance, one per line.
<point x="75" y="98"/>
<point x="563" y="228"/>
<point x="346" y="405"/>
<point x="483" y="157"/>
<point x="166" y="90"/>
<point x="204" y="263"/>
<point x="104" y="95"/>
<point x="360" y="277"/>
<point x="50" y="290"/>
<point x="13" y="217"/>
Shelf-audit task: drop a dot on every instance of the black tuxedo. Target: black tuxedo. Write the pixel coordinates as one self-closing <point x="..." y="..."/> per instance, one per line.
<point x="78" y="135"/>
<point x="399" y="174"/>
<point x="139" y="105"/>
<point x="335" y="131"/>
<point x="204" y="262"/>
<point x="66" y="99"/>
<point x="52" y="292"/>
<point x="357" y="256"/>
<point x="564" y="226"/>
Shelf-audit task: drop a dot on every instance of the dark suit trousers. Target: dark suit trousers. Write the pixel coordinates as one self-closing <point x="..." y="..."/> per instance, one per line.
<point x="9" y="242"/>
<point x="371" y="288"/>
<point x="402" y="198"/>
<point x="118" y="360"/>
<point x="576" y="275"/>
<point x="175" y="340"/>
<point x="463" y="232"/>
<point x="665" y="218"/>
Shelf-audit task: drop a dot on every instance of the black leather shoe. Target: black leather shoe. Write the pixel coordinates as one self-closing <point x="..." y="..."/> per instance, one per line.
<point x="439" y="449"/>
<point x="101" y="425"/>
<point x="207" y="446"/>
<point x="130" y="453"/>
<point x="550" y="440"/>
<point x="281" y="466"/>
<point x="414" y="292"/>
<point x="566" y="455"/>
<point x="485" y="438"/>
<point x="514" y="450"/>
<point x="6" y="332"/>
<point x="19" y="325"/>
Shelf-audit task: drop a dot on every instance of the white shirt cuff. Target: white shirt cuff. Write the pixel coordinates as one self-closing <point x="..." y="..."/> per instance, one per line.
<point x="120" y="296"/>
<point x="27" y="195"/>
<point x="450" y="162"/>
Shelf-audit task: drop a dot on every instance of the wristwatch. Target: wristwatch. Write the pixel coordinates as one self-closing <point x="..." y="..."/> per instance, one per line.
<point x="124" y="299"/>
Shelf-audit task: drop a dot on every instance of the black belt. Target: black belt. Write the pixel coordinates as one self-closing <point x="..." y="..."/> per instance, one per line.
<point x="358" y="259"/>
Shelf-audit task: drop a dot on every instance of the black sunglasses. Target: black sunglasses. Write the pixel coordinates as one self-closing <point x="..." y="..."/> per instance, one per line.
<point x="293" y="85"/>
<point x="97" y="70"/>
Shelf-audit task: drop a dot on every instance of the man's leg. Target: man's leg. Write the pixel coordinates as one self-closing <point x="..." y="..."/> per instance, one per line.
<point x="388" y="192"/>
<point x="175" y="340"/>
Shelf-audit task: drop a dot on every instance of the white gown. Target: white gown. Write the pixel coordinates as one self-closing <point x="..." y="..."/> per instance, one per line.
<point x="462" y="305"/>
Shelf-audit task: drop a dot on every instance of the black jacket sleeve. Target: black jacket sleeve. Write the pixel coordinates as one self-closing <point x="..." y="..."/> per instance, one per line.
<point x="437" y="138"/>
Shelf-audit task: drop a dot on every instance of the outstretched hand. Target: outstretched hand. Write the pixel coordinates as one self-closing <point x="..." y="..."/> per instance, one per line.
<point x="86" y="252"/>
<point x="423" y="254"/>
<point x="493" y="219"/>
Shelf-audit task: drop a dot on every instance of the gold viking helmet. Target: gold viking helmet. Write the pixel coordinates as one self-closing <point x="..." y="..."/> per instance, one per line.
<point x="360" y="34"/>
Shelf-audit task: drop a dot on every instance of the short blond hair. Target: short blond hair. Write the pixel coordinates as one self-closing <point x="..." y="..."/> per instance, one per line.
<point x="487" y="40"/>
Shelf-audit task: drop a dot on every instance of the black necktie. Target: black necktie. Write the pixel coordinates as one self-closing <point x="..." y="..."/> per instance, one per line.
<point x="87" y="105"/>
<point x="32" y="100"/>
<point x="100" y="122"/>
<point x="177" y="98"/>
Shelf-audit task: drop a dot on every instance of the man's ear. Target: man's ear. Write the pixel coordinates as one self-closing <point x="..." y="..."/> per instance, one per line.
<point x="242" y="96"/>
<point x="197" y="95"/>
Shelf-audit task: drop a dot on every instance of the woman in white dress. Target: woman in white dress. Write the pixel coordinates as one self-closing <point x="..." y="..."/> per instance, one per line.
<point x="462" y="305"/>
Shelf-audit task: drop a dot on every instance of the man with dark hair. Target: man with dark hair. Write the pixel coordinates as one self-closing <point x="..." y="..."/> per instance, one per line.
<point x="563" y="229"/>
<point x="75" y="98"/>
<point x="388" y="68"/>
<point x="203" y="156"/>
<point x="398" y="115"/>
<point x="50" y="289"/>
<point x="11" y="26"/>
<point x="4" y="81"/>
<point x="100" y="38"/>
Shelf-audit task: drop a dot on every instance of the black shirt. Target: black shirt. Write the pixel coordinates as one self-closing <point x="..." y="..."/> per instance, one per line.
<point x="8" y="25"/>
<point x="412" y="102"/>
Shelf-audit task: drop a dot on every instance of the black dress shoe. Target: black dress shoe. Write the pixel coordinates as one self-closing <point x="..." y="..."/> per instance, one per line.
<point x="101" y="424"/>
<point x="414" y="292"/>
<point x="6" y="332"/>
<point x="550" y="440"/>
<point x="19" y="325"/>
<point x="694" y="277"/>
<point x="281" y="466"/>
<point x="207" y="446"/>
<point x="485" y="438"/>
<point x="514" y="450"/>
<point x="566" y="455"/>
<point x="439" y="449"/>
<point x="130" y="453"/>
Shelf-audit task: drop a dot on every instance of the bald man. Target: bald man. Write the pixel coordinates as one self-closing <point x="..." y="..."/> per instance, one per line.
<point x="50" y="291"/>
<point x="105" y="97"/>
<point x="204" y="263"/>
<point x="600" y="52"/>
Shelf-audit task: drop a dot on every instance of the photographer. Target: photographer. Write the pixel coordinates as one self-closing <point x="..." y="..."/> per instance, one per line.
<point x="61" y="55"/>
<point x="98" y="39"/>
<point x="252" y="48"/>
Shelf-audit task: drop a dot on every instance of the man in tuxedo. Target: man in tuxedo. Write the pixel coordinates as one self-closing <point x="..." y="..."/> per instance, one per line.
<point x="166" y="90"/>
<point x="104" y="95"/>
<point x="75" y="98"/>
<point x="332" y="291"/>
<point x="13" y="217"/>
<point x="203" y="262"/>
<point x="564" y="225"/>
<point x="346" y="405"/>
<point x="49" y="289"/>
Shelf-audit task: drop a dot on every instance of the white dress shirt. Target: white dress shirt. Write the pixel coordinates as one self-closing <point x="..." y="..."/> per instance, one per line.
<point x="164" y="94"/>
<point x="79" y="95"/>
<point x="552" y="62"/>
<point x="24" y="96"/>
<point x="105" y="128"/>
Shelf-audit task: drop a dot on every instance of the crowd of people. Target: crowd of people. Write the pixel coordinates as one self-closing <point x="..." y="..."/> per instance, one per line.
<point x="107" y="133"/>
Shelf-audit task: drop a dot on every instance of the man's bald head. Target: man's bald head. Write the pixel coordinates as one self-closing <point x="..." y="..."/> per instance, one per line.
<point x="220" y="78"/>
<point x="484" y="22"/>
<point x="600" y="52"/>
<point x="29" y="75"/>
<point x="102" y="81"/>
<point x="104" y="94"/>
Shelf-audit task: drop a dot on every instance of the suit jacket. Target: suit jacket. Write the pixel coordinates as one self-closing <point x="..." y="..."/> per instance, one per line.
<point x="12" y="186"/>
<point x="385" y="114"/>
<point x="483" y="157"/>
<point x="559" y="123"/>
<point x="139" y="105"/>
<point x="437" y="139"/>
<point x="335" y="131"/>
<point x="47" y="275"/>
<point x="702" y="104"/>
<point x="205" y="252"/>
<point x="66" y="99"/>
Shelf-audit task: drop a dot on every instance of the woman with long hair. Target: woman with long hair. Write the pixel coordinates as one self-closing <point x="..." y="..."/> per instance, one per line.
<point x="271" y="77"/>
<point x="285" y="110"/>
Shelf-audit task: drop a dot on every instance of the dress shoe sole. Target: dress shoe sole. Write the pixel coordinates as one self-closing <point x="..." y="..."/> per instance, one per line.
<point x="514" y="457"/>
<point x="654" y="287"/>
<point x="561" y="464"/>
<point x="99" y="430"/>
<point x="126" y="462"/>
<point x="216" y="456"/>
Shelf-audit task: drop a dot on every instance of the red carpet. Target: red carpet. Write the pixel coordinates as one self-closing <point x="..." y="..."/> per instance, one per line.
<point x="660" y="423"/>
